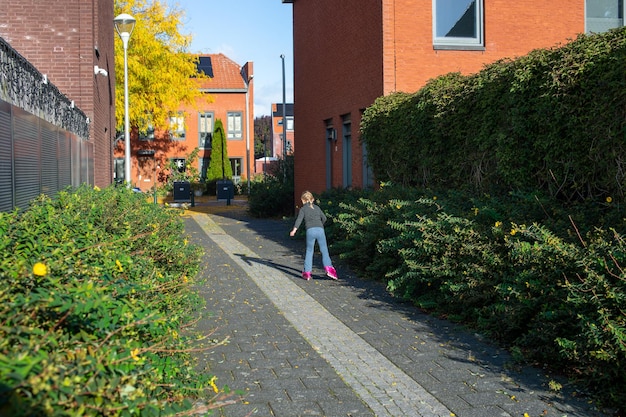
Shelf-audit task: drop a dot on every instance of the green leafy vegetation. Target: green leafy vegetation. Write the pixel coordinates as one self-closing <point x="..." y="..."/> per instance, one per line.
<point x="219" y="164"/>
<point x="550" y="293"/>
<point x="552" y="121"/>
<point x="97" y="307"/>
<point x="271" y="195"/>
<point x="501" y="206"/>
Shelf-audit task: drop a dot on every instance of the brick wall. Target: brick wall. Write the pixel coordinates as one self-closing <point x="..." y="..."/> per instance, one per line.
<point x="65" y="39"/>
<point x="348" y="53"/>
<point x="337" y="71"/>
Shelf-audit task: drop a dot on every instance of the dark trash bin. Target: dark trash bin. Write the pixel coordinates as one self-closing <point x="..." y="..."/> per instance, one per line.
<point x="225" y="190"/>
<point x="182" y="191"/>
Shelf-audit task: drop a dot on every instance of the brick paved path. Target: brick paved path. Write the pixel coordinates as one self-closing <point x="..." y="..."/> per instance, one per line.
<point x="343" y="348"/>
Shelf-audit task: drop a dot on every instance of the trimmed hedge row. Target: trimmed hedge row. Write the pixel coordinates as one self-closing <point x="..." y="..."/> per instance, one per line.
<point x="553" y="120"/>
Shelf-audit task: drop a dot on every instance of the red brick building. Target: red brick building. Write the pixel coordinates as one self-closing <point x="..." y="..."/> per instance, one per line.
<point x="66" y="40"/>
<point x="347" y="53"/>
<point x="278" y="144"/>
<point x="229" y="97"/>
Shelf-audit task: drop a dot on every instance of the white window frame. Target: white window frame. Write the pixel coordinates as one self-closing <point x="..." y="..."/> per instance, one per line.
<point x="203" y="130"/>
<point x="148" y="135"/>
<point x="459" y="43"/>
<point x="180" y="163"/>
<point x="600" y="24"/>
<point x="234" y="125"/>
<point x="177" y="126"/>
<point x="236" y="165"/>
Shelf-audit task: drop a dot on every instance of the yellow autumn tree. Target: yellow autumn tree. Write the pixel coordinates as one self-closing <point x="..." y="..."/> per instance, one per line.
<point x="161" y="71"/>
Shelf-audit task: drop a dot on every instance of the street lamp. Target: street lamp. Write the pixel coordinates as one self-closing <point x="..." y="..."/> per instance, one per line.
<point x="248" y="80"/>
<point x="124" y="25"/>
<point x="282" y="57"/>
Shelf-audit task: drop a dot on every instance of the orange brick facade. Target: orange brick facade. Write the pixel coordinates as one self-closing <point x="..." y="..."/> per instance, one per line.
<point x="65" y="39"/>
<point x="278" y="146"/>
<point x="348" y="53"/>
<point x="227" y="91"/>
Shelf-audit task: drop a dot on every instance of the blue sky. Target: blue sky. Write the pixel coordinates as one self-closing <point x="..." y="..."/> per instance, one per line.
<point x="246" y="30"/>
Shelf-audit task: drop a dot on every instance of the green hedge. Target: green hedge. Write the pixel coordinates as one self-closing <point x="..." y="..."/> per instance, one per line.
<point x="271" y="195"/>
<point x="532" y="275"/>
<point x="553" y="120"/>
<point x="96" y="295"/>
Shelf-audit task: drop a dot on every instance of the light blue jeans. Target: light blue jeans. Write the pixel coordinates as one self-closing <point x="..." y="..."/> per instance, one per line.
<point x="315" y="234"/>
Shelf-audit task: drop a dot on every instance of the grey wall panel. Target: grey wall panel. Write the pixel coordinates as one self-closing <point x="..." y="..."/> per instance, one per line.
<point x="6" y="158"/>
<point x="65" y="160"/>
<point x="38" y="157"/>
<point x="26" y="157"/>
<point x="75" y="167"/>
<point x="49" y="159"/>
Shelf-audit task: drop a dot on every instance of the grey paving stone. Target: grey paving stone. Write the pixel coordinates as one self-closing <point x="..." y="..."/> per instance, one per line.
<point x="345" y="347"/>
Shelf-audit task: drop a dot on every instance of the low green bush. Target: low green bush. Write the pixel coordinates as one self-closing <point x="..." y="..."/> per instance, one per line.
<point x="542" y="279"/>
<point x="271" y="195"/>
<point x="95" y="308"/>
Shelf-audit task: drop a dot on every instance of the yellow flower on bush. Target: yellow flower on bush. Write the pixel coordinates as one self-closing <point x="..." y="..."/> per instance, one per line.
<point x="40" y="269"/>
<point x="135" y="354"/>
<point x="119" y="265"/>
<point x="609" y="199"/>
<point x="513" y="232"/>
<point x="435" y="198"/>
<point x="212" y="384"/>
<point x="96" y="188"/>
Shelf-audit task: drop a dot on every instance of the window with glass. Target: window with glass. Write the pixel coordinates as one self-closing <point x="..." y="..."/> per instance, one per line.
<point x="177" y="127"/>
<point x="346" y="133"/>
<point x="148" y="133"/>
<point x="205" y="130"/>
<point x="236" y="165"/>
<point x="458" y="24"/>
<point x="119" y="171"/>
<point x="289" y="122"/>
<point x="234" y="125"/>
<point x="180" y="164"/>
<point x="602" y="15"/>
<point x="203" y="167"/>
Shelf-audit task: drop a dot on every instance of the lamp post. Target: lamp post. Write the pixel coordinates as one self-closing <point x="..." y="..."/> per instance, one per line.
<point x="248" y="80"/>
<point x="282" y="56"/>
<point x="124" y="25"/>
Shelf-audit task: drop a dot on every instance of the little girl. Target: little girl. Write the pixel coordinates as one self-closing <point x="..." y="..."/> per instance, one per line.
<point x="314" y="220"/>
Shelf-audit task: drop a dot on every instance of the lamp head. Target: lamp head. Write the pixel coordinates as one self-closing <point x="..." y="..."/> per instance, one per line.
<point x="124" y="24"/>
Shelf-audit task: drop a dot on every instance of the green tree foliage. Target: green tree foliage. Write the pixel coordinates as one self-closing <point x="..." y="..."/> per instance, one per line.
<point x="219" y="165"/>
<point x="262" y="136"/>
<point x="161" y="71"/>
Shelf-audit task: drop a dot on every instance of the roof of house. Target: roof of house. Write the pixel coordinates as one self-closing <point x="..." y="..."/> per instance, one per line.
<point x="279" y="109"/>
<point x="225" y="73"/>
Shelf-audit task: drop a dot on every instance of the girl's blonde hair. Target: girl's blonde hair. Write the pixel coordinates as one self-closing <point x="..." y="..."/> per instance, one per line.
<point x="307" y="197"/>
